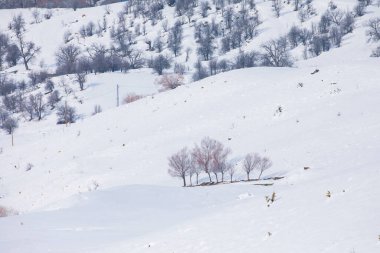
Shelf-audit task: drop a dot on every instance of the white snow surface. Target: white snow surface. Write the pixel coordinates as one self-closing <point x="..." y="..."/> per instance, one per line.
<point x="101" y="184"/>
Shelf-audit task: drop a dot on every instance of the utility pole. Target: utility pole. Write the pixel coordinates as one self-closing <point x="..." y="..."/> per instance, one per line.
<point x="117" y="95"/>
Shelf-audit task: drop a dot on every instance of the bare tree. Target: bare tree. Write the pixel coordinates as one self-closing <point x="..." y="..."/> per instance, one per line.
<point x="80" y="78"/>
<point x="276" y="53"/>
<point x="36" y="15"/>
<point x="175" y="38"/>
<point x="195" y="169"/>
<point x="9" y="126"/>
<point x="28" y="49"/>
<point x="28" y="107"/>
<point x="219" y="160"/>
<point x="53" y="99"/>
<point x="66" y="114"/>
<point x="277" y="7"/>
<point x="158" y="44"/>
<point x="135" y="59"/>
<point x="251" y="162"/>
<point x="160" y="63"/>
<point x="374" y="29"/>
<point x="203" y="155"/>
<point x="4" y="44"/>
<point x="38" y="105"/>
<point x="264" y="164"/>
<point x="180" y="164"/>
<point x="67" y="58"/>
<point x="206" y="46"/>
<point x="231" y="171"/>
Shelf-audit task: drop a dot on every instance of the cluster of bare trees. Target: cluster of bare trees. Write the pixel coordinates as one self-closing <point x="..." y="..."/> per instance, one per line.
<point x="328" y="32"/>
<point x="232" y="32"/>
<point x="212" y="158"/>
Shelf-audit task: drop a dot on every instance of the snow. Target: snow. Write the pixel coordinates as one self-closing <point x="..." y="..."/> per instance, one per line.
<point x="101" y="184"/>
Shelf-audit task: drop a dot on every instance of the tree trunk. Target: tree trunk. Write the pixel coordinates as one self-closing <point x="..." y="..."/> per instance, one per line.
<point x="26" y="64"/>
<point x="184" y="181"/>
<point x="209" y="176"/>
<point x="12" y="139"/>
<point x="261" y="172"/>
<point x="216" y="176"/>
<point x="248" y="176"/>
<point x="222" y="177"/>
<point x="197" y="178"/>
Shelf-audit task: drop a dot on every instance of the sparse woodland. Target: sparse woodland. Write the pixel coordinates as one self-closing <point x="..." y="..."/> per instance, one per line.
<point x="233" y="24"/>
<point x="189" y="126"/>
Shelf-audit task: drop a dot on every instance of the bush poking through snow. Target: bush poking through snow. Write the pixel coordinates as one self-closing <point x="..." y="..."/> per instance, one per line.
<point x="131" y="97"/>
<point x="170" y="81"/>
<point x="5" y="211"/>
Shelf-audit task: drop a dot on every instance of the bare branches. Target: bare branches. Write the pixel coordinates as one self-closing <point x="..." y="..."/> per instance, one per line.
<point x="265" y="164"/>
<point x="28" y="50"/>
<point x="219" y="160"/>
<point x="374" y="29"/>
<point x="203" y="155"/>
<point x="180" y="164"/>
<point x="251" y="162"/>
<point x="212" y="157"/>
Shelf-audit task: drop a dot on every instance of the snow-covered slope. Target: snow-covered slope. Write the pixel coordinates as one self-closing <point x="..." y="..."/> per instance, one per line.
<point x="330" y="124"/>
<point x="101" y="184"/>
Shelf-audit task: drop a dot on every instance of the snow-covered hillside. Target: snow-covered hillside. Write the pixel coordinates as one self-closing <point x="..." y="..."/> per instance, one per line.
<point x="102" y="183"/>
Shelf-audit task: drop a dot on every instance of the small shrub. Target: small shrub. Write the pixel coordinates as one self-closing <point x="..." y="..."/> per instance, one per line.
<point x="131" y="97"/>
<point x="5" y="211"/>
<point x="170" y="82"/>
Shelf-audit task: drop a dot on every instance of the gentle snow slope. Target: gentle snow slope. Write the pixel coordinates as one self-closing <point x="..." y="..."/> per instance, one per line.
<point x="101" y="184"/>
